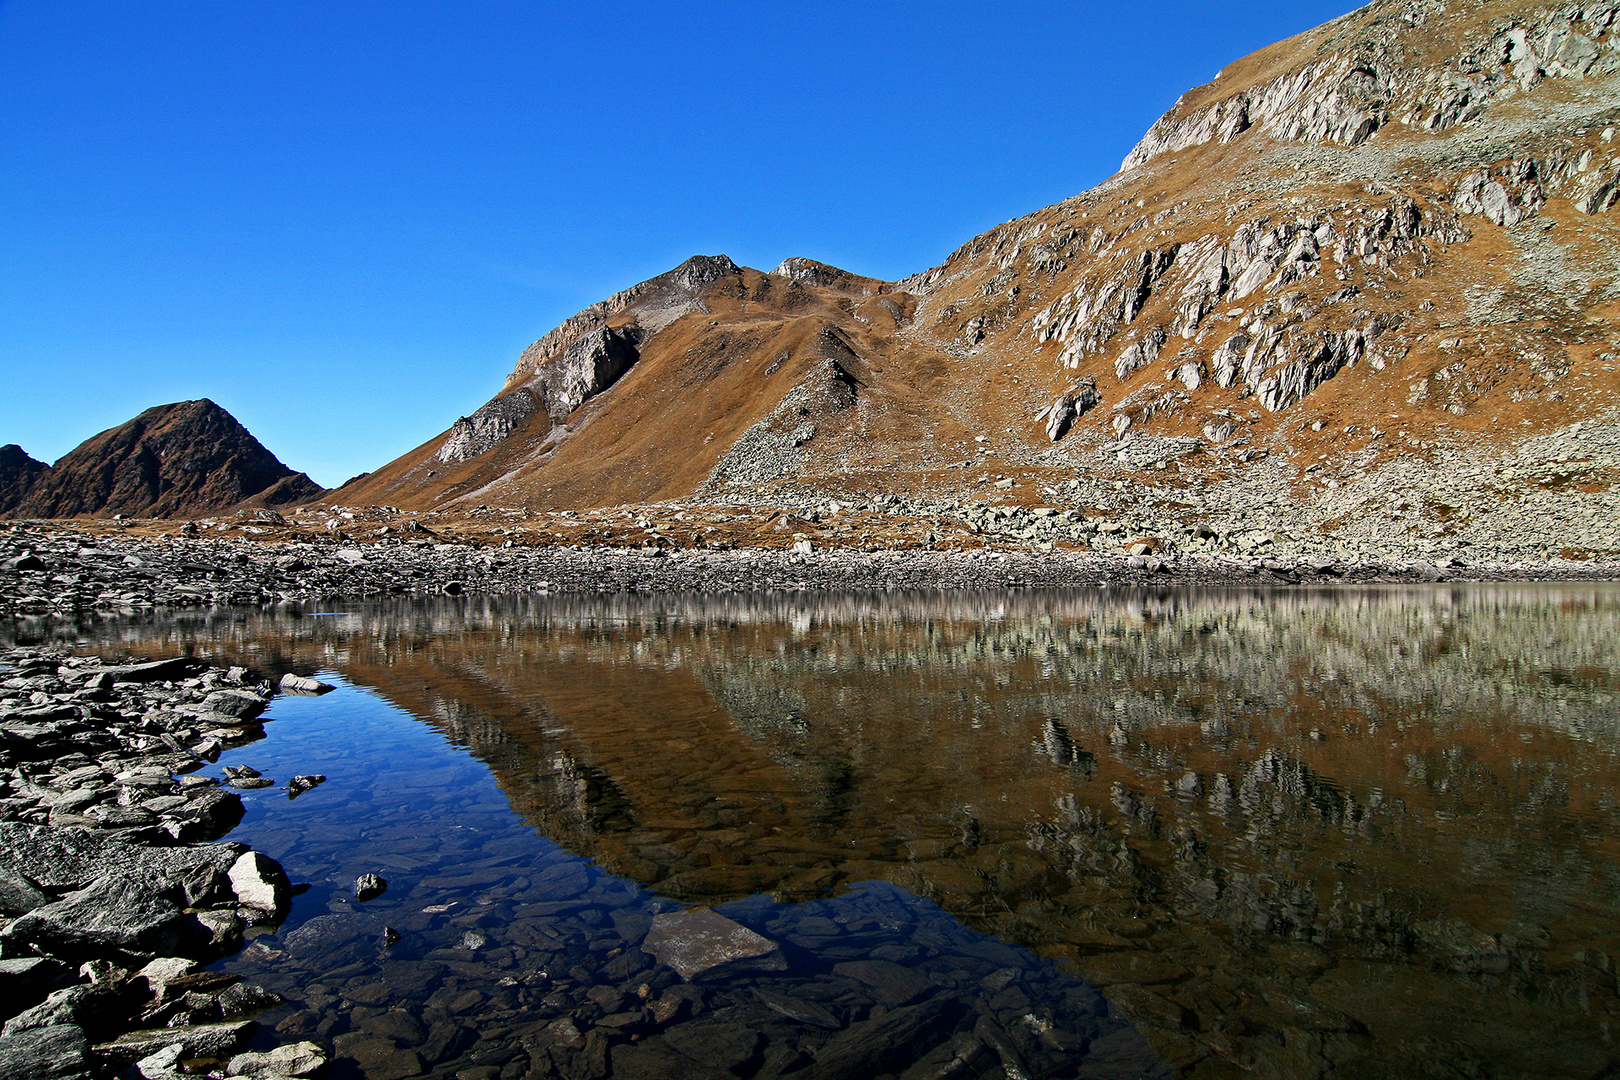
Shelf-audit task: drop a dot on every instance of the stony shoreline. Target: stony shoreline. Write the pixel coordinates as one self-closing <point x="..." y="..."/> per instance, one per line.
<point x="112" y="898"/>
<point x="64" y="569"/>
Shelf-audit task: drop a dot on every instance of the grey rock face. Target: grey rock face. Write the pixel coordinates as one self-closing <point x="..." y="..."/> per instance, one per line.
<point x="590" y="365"/>
<point x="1353" y="92"/>
<point x="484" y="429"/>
<point x="1081" y="399"/>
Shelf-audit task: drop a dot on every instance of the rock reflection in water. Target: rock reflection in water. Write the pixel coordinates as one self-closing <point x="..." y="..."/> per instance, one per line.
<point x="1348" y="833"/>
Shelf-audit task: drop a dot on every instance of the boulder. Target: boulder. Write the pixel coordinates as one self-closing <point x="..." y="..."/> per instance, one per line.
<point x="243" y="704"/>
<point x="19" y="895"/>
<point x="297" y="684"/>
<point x="261" y="884"/>
<point x="99" y="1008"/>
<point x="28" y="979"/>
<point x="368" y="886"/>
<point x="72" y="858"/>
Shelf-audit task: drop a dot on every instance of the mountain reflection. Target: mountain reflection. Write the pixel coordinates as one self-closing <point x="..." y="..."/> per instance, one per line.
<point x="1303" y="833"/>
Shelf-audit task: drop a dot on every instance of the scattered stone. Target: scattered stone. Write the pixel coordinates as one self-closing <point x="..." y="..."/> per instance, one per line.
<point x="300" y="784"/>
<point x="369" y="886"/>
<point x="298" y="684"/>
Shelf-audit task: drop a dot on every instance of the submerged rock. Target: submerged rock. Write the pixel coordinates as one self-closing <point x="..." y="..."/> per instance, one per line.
<point x="703" y="942"/>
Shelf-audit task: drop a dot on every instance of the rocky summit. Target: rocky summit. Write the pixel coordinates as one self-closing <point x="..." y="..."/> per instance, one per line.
<point x="1368" y="271"/>
<point x="179" y="460"/>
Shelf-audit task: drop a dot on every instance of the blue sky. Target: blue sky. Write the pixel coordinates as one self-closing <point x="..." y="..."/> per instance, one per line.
<point x="343" y="220"/>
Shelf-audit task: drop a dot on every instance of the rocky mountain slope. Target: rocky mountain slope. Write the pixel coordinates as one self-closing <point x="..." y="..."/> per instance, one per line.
<point x="1383" y="243"/>
<point x="188" y="458"/>
<point x="18" y="474"/>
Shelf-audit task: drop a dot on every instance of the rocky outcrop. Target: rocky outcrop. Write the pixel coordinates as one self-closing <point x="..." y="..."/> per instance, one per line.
<point x="1373" y="79"/>
<point x="177" y="460"/>
<point x="18" y="475"/>
<point x="484" y="429"/>
<point x="651" y="305"/>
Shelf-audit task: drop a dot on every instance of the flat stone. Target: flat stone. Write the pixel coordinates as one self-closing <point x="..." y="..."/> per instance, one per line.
<point x="73" y="858"/>
<point x="324" y="933"/>
<point x="298" y="1060"/>
<point x="891" y="983"/>
<point x="200" y="1040"/>
<point x="178" y="667"/>
<point x="378" y="1059"/>
<point x="704" y="942"/>
<point x="52" y="1053"/>
<point x="798" y="1009"/>
<point x="114" y="915"/>
<point x="884" y="1044"/>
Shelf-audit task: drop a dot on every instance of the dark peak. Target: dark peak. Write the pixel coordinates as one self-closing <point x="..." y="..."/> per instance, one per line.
<point x="18" y="475"/>
<point x="13" y="456"/>
<point x="174" y="460"/>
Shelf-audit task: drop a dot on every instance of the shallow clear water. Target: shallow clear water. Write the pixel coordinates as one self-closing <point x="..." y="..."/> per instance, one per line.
<point x="1347" y="833"/>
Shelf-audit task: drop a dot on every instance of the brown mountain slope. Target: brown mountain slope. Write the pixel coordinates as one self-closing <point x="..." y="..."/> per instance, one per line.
<point x="178" y="460"/>
<point x="1393" y="230"/>
<point x="18" y="474"/>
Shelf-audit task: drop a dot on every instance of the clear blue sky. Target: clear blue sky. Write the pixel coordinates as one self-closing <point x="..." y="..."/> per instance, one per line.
<point x="342" y="220"/>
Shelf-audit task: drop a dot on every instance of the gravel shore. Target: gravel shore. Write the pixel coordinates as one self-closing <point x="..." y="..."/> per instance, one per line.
<point x="61" y="569"/>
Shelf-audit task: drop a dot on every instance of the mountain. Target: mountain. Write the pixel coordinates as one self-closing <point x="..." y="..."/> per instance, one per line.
<point x="1381" y="239"/>
<point x="178" y="460"/>
<point x="18" y="474"/>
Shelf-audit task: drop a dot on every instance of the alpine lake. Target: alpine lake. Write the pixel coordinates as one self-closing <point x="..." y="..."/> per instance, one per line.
<point x="1354" y="832"/>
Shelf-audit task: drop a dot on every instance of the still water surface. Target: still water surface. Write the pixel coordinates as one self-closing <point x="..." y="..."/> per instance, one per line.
<point x="1354" y="833"/>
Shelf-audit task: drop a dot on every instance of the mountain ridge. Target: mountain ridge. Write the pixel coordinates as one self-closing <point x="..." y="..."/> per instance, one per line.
<point x="1359" y="218"/>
